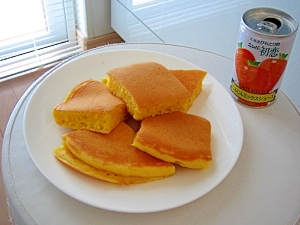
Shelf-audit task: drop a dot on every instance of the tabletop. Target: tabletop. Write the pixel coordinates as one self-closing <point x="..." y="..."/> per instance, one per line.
<point x="262" y="188"/>
<point x="208" y="25"/>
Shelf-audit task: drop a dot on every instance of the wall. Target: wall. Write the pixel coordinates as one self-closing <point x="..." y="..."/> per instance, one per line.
<point x="93" y="17"/>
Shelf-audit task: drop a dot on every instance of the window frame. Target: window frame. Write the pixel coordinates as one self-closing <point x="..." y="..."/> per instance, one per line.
<point x="59" y="42"/>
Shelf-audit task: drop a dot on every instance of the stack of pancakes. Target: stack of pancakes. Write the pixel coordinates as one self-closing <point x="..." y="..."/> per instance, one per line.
<point x="106" y="146"/>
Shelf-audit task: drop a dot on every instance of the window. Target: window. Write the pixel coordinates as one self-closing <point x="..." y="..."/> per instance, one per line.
<point x="35" y="33"/>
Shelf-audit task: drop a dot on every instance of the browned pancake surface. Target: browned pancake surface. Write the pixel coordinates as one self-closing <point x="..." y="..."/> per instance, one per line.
<point x="176" y="137"/>
<point x="90" y="95"/>
<point x="149" y="83"/>
<point x="113" y="152"/>
<point x="91" y="106"/>
<point x="191" y="79"/>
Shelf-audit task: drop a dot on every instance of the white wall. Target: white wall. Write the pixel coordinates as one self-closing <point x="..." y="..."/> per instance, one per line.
<point x="93" y="17"/>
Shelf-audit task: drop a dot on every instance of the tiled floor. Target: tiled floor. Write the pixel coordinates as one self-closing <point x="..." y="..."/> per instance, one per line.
<point x="10" y="92"/>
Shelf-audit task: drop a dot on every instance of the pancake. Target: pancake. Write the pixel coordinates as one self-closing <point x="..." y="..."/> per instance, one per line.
<point x="91" y="106"/>
<point x="177" y="137"/>
<point x="64" y="155"/>
<point x="192" y="80"/>
<point x="114" y="154"/>
<point x="148" y="89"/>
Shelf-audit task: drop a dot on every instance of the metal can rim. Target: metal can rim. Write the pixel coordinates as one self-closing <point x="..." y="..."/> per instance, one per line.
<point x="288" y="17"/>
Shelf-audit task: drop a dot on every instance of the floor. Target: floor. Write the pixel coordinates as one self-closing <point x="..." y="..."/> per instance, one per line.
<point x="10" y="92"/>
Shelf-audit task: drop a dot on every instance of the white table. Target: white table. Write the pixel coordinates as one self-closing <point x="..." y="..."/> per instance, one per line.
<point x="263" y="187"/>
<point x="208" y="25"/>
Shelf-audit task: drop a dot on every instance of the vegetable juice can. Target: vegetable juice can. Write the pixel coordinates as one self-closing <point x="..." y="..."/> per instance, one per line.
<point x="264" y="44"/>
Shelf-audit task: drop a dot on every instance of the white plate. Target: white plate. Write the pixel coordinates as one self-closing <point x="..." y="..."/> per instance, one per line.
<point x="43" y="135"/>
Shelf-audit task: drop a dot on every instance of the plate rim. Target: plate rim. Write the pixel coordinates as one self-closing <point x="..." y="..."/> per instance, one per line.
<point x="91" y="54"/>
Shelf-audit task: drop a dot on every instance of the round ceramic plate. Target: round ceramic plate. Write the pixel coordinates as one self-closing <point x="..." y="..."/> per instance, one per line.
<point x="43" y="135"/>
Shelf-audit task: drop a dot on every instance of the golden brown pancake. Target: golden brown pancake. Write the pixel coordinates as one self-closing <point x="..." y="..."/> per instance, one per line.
<point x="192" y="80"/>
<point x="114" y="154"/>
<point x="91" y="106"/>
<point x="63" y="154"/>
<point x="177" y="137"/>
<point x="148" y="89"/>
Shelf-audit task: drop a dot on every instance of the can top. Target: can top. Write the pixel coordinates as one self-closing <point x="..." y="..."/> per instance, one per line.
<point x="271" y="22"/>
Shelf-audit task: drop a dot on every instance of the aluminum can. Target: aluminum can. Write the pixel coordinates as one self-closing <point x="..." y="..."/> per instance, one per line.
<point x="264" y="45"/>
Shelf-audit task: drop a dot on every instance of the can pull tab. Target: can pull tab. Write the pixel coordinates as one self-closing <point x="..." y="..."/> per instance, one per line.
<point x="269" y="25"/>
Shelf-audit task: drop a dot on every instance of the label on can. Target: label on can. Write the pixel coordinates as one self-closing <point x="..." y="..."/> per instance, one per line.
<point x="264" y="45"/>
